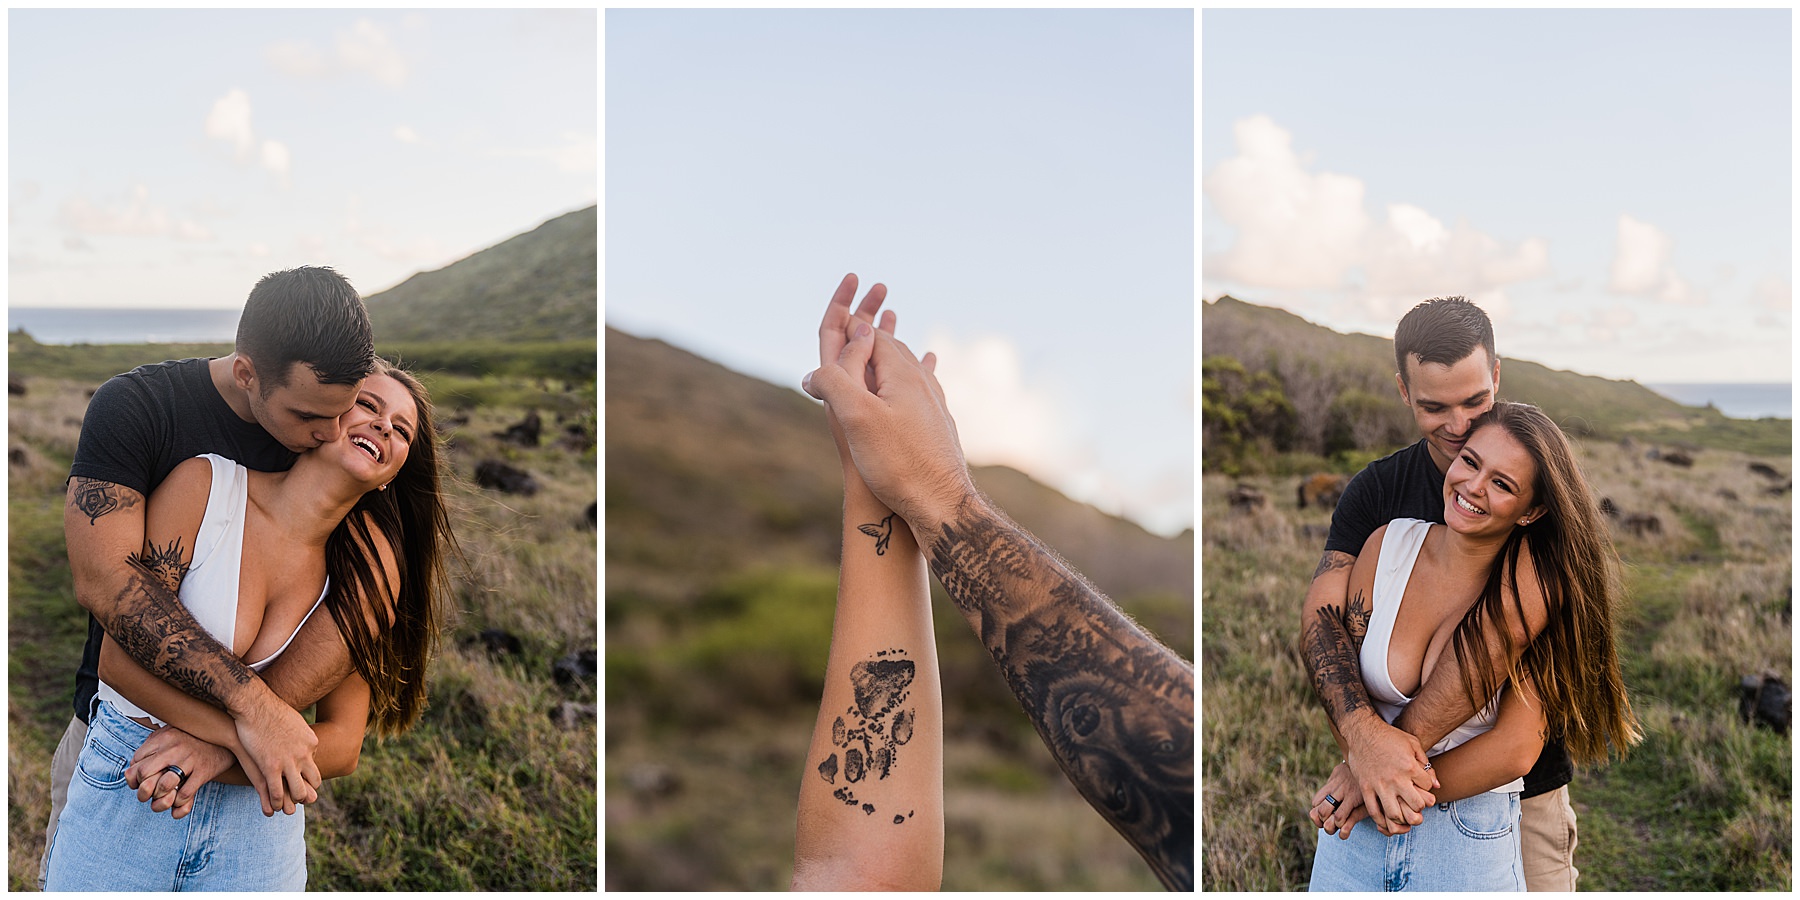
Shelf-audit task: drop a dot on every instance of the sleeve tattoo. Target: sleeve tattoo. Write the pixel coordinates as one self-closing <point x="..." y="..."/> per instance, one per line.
<point x="1333" y="641"/>
<point x="1113" y="705"/>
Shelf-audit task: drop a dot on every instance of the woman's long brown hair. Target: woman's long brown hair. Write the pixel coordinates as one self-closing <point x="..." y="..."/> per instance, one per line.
<point x="1573" y="662"/>
<point x="392" y="634"/>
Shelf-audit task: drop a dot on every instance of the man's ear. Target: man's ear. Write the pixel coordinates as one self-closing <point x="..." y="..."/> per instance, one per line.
<point x="1400" y="382"/>
<point x="1496" y="393"/>
<point x="243" y="372"/>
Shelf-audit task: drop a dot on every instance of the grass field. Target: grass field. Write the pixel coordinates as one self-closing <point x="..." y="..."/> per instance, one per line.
<point x="1702" y="804"/>
<point x="489" y="792"/>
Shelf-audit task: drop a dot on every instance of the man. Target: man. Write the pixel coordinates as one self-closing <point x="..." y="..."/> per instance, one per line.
<point x="303" y="348"/>
<point x="1448" y="375"/>
<point x="1114" y="706"/>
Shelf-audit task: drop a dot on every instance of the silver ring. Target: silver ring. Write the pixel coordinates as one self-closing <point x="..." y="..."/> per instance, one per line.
<point x="1335" y="802"/>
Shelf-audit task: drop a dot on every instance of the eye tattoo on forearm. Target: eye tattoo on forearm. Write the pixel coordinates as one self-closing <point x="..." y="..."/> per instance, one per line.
<point x="881" y="532"/>
<point x="874" y="727"/>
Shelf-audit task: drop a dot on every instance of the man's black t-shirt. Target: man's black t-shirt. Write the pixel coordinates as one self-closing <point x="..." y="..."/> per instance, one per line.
<point x="1406" y="484"/>
<point x="141" y="425"/>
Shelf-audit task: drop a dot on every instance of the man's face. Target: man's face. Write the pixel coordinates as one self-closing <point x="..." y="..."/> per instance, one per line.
<point x="1445" y="399"/>
<point x="303" y="413"/>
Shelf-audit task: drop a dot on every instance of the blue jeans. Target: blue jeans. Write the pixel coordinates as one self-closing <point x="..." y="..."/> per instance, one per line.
<point x="107" y="840"/>
<point x="1465" y="845"/>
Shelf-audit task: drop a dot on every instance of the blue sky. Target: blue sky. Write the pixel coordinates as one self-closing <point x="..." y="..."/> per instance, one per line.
<point x="1613" y="186"/>
<point x="164" y="158"/>
<point x="1022" y="180"/>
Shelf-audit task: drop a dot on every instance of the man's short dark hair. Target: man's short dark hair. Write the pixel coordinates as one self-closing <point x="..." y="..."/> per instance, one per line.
<point x="307" y="315"/>
<point x="1442" y="330"/>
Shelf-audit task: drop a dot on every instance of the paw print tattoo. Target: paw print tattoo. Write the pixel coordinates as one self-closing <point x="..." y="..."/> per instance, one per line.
<point x="874" y="727"/>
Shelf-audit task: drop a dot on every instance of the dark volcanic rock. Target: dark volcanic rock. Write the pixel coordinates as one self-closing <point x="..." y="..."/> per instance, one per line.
<point x="501" y="477"/>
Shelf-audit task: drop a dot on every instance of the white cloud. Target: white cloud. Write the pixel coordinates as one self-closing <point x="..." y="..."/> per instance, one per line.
<point x="276" y="159"/>
<point x="1301" y="230"/>
<point x="363" y="49"/>
<point x="1000" y="417"/>
<point x="1642" y="266"/>
<point x="405" y="134"/>
<point x="1773" y="293"/>
<point x="136" y="217"/>
<point x="1295" y="229"/>
<point x="258" y="250"/>
<point x="229" y="121"/>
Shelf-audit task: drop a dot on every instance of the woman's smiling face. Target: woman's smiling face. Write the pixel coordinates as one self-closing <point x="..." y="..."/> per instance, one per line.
<point x="378" y="431"/>
<point x="1489" y="486"/>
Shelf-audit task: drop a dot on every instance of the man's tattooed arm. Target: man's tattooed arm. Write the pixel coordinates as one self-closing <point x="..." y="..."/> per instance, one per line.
<point x="1333" y="635"/>
<point x="1113" y="705"/>
<point x="131" y="592"/>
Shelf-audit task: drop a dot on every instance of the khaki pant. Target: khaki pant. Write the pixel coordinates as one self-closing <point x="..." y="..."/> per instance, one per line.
<point x="62" y="768"/>
<point x="1547" y="823"/>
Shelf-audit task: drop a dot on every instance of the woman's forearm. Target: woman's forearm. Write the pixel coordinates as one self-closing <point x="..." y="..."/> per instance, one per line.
<point x="871" y="795"/>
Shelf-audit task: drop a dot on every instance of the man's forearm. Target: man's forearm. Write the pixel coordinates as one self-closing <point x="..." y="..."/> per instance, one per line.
<point x="151" y="625"/>
<point x="1114" y="706"/>
<point x="1333" y="631"/>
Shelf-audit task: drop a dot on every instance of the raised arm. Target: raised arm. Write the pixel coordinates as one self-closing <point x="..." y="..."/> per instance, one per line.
<point x="871" y="811"/>
<point x="116" y="579"/>
<point x="1113" y="705"/>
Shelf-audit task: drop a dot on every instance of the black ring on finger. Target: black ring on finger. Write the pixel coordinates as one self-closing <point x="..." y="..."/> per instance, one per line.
<point x="178" y="774"/>
<point x="1335" y="802"/>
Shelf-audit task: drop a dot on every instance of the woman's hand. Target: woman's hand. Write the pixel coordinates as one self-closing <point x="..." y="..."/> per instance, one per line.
<point x="160" y="786"/>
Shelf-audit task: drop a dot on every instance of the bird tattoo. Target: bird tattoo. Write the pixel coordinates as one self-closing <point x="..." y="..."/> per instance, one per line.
<point x="880" y="533"/>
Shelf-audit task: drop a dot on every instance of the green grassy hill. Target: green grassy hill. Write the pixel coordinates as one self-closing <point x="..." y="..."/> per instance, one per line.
<point x="1343" y="379"/>
<point x="723" y="499"/>
<point x="538" y="286"/>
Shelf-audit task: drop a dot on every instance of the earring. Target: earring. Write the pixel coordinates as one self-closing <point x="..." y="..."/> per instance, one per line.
<point x="384" y="487"/>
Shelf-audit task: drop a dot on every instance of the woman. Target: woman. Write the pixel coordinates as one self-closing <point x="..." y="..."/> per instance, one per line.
<point x="253" y="555"/>
<point x="1515" y="506"/>
<point x="871" y="811"/>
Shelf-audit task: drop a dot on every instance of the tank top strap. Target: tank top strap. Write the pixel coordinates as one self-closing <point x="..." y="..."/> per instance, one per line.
<point x="1400" y="546"/>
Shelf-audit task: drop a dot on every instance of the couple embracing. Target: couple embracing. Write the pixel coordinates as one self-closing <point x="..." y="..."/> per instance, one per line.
<point x="253" y="536"/>
<point x="1460" y="634"/>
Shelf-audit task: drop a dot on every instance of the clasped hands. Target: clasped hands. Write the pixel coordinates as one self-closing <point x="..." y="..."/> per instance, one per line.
<point x="171" y="766"/>
<point x="1385" y="776"/>
<point x="887" y="410"/>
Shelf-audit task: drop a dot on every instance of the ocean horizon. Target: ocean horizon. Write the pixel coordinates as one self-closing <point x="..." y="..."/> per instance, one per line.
<point x="61" y="325"/>
<point x="1742" y="400"/>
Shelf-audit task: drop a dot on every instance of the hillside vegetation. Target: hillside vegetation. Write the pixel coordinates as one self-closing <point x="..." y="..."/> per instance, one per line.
<point x="1704" y="526"/>
<point x="1280" y="394"/>
<point x="723" y="501"/>
<point x="539" y="286"/>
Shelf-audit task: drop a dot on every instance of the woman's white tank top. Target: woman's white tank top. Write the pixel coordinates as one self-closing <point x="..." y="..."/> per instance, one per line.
<point x="1400" y="547"/>
<point x="210" y="588"/>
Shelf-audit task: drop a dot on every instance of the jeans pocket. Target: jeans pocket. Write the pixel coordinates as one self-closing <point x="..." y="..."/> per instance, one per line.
<point x="101" y="766"/>
<point x="1485" y="816"/>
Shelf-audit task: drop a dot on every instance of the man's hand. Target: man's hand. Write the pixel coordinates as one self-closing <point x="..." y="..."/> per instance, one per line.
<point x="901" y="436"/>
<point x="1392" y="772"/>
<point x="278" y="750"/>
<point x="159" y="785"/>
<point x="1338" y="806"/>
